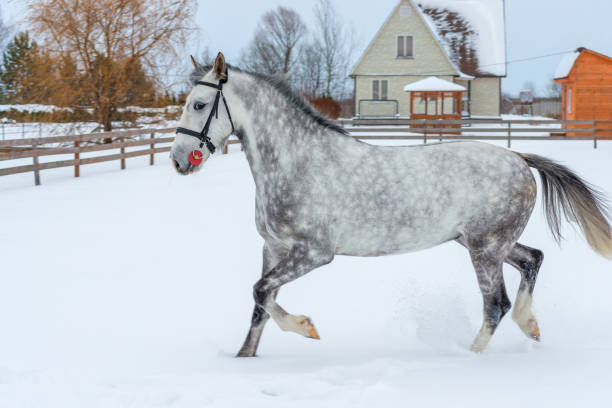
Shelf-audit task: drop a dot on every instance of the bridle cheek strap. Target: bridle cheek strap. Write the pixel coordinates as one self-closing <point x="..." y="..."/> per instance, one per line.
<point x="203" y="135"/>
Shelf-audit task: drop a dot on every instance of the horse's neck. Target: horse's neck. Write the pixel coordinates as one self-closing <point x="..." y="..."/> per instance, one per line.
<point x="275" y="134"/>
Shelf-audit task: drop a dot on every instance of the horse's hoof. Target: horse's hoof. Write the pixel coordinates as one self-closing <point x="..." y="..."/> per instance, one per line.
<point x="531" y="329"/>
<point x="304" y="326"/>
<point x="534" y="334"/>
<point x="312" y="333"/>
<point x="482" y="339"/>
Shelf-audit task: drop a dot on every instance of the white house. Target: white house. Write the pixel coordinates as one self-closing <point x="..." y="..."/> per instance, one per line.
<point x="461" y="41"/>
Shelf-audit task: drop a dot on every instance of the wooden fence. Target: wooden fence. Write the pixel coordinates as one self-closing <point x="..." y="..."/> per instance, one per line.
<point x="490" y="129"/>
<point x="61" y="145"/>
<point x="372" y="129"/>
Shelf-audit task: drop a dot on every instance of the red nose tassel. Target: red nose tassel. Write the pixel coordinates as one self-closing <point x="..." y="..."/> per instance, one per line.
<point x="195" y="157"/>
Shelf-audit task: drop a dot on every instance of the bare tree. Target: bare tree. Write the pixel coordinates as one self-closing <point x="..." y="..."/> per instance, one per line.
<point x="335" y="42"/>
<point x="108" y="40"/>
<point x="273" y="49"/>
<point x="309" y="76"/>
<point x="553" y="89"/>
<point x="205" y="57"/>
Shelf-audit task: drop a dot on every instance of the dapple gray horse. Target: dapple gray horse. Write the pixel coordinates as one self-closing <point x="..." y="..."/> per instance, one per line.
<point x="320" y="192"/>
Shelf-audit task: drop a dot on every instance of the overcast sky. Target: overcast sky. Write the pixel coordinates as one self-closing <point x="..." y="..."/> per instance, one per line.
<point x="534" y="28"/>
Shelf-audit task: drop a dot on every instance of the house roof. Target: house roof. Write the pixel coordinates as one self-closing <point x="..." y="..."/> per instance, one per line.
<point x="472" y="32"/>
<point x="569" y="60"/>
<point x="433" y="84"/>
<point x="566" y="64"/>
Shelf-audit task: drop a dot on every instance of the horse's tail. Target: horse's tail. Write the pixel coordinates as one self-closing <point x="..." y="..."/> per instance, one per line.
<point x="567" y="195"/>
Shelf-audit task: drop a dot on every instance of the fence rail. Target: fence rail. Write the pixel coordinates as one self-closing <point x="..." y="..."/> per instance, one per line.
<point x="35" y="148"/>
<point x="479" y="129"/>
<point x="366" y="129"/>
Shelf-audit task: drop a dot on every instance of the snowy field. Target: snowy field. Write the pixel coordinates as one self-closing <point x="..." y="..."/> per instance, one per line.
<point x="133" y="289"/>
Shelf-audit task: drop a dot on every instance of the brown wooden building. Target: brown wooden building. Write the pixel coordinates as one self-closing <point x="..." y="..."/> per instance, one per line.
<point x="586" y="80"/>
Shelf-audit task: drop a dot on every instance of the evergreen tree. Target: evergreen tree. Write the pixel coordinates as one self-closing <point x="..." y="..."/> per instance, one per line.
<point x="19" y="66"/>
<point x="4" y="33"/>
<point x="139" y="88"/>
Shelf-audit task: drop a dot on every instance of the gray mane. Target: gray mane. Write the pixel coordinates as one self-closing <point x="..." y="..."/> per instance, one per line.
<point x="283" y="88"/>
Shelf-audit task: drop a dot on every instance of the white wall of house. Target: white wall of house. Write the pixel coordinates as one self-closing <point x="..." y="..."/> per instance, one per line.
<point x="486" y="96"/>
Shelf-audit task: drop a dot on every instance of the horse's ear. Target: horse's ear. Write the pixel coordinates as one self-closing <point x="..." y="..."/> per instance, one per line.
<point x="194" y="62"/>
<point x="220" y="67"/>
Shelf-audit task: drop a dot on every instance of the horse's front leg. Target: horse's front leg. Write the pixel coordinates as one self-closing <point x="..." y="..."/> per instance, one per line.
<point x="301" y="259"/>
<point x="259" y="317"/>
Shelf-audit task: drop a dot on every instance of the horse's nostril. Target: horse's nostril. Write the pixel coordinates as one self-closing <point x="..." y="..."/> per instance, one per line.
<point x="176" y="164"/>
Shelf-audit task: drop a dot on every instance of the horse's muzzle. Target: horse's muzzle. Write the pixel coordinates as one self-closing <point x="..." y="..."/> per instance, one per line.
<point x="183" y="168"/>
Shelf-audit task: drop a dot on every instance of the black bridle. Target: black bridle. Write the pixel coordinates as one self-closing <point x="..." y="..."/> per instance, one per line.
<point x="203" y="135"/>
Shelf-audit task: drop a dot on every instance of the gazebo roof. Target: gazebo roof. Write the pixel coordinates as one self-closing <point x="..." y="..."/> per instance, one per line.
<point x="434" y="84"/>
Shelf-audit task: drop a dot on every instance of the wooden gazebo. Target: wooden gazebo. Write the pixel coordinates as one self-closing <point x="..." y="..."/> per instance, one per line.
<point x="435" y="98"/>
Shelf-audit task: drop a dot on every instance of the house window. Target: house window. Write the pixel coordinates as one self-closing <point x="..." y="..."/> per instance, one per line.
<point x="405" y="11"/>
<point x="405" y="46"/>
<point x="569" y="101"/>
<point x="380" y="89"/>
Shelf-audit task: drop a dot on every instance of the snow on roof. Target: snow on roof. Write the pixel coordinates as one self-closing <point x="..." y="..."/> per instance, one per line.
<point x="479" y="24"/>
<point x="566" y="64"/>
<point x="433" y="84"/>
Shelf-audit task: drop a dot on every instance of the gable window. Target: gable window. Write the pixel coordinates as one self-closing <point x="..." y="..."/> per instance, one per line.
<point x="405" y="46"/>
<point x="405" y="11"/>
<point x="380" y="89"/>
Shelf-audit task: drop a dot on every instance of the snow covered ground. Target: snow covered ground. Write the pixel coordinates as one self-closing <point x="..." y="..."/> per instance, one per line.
<point x="133" y="289"/>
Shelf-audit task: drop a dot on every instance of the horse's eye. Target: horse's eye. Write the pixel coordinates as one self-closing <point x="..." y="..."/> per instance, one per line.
<point x="199" y="105"/>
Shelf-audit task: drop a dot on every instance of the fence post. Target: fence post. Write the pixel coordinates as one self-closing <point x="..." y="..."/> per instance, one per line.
<point x="122" y="150"/>
<point x="425" y="131"/>
<point x="2" y="130"/>
<point x="509" y="135"/>
<point x="39" y="129"/>
<point x="594" y="135"/>
<point x="23" y="130"/>
<point x="152" y="159"/>
<point x="77" y="158"/>
<point x="36" y="169"/>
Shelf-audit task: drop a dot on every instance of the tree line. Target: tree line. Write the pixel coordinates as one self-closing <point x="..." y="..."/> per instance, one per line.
<point x="315" y="61"/>
<point x="102" y="55"/>
<point x="95" y="54"/>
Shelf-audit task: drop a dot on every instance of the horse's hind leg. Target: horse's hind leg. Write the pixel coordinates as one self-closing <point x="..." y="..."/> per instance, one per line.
<point x="527" y="261"/>
<point x="488" y="266"/>
<point x="260" y="317"/>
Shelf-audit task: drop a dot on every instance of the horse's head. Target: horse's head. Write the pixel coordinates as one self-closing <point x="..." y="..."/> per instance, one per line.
<point x="205" y="123"/>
